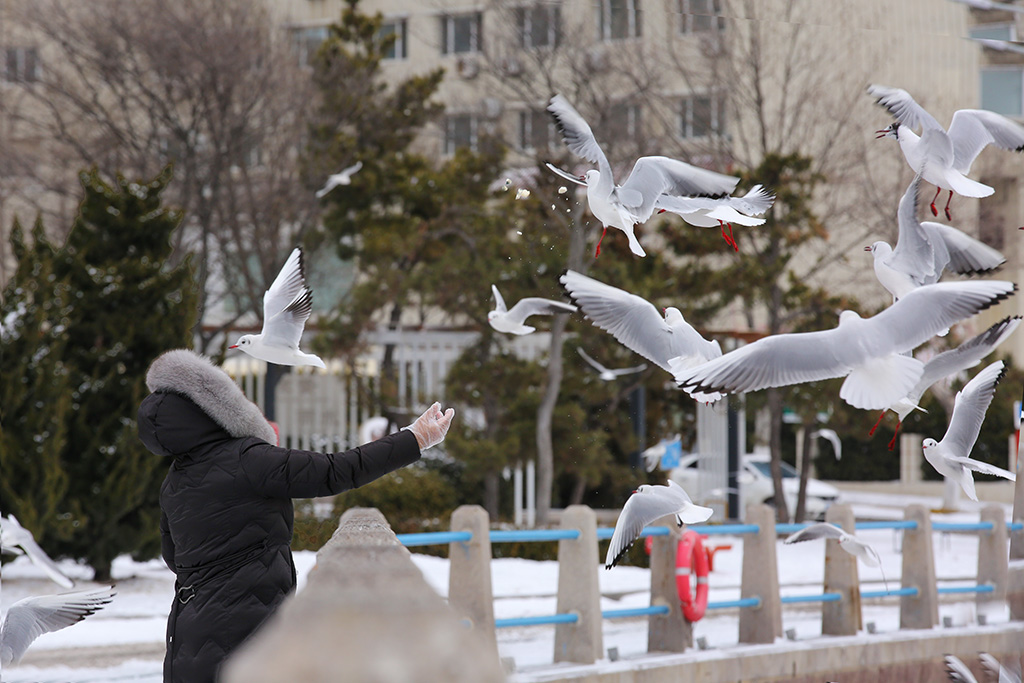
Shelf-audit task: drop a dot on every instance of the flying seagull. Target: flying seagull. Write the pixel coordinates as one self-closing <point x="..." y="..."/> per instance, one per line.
<point x="511" y="320"/>
<point x="951" y="456"/>
<point x="924" y="250"/>
<point x="608" y="374"/>
<point x="623" y="206"/>
<point x="944" y="158"/>
<point x="286" y="307"/>
<point x="833" y="438"/>
<point x="665" y="340"/>
<point x="28" y="619"/>
<point x="848" y="542"/>
<point x="335" y="179"/>
<point x="648" y="503"/>
<point x="709" y="212"/>
<point x="867" y="351"/>
<point x="13" y="536"/>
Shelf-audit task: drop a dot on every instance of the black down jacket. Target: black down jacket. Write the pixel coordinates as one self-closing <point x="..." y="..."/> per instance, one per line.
<point x="226" y="506"/>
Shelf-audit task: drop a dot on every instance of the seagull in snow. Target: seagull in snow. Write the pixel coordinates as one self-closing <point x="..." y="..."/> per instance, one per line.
<point x="951" y="456"/>
<point x="286" y="307"/>
<point x="28" y="619"/>
<point x="335" y="179"/>
<point x="665" y="340"/>
<point x="608" y="374"/>
<point x="867" y="351"/>
<point x="708" y="212"/>
<point x="14" y="536"/>
<point x="511" y="321"/>
<point x="943" y="158"/>
<point x="623" y="206"/>
<point x="924" y="250"/>
<point x="648" y="503"/>
<point x="947" y="363"/>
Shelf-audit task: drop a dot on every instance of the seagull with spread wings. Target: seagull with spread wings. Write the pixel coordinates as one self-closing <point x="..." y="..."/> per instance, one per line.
<point x="30" y="618"/>
<point x="648" y="503"/>
<point x="513" y="320"/>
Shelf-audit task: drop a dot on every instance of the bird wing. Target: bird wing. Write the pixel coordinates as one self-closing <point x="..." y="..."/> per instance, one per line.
<point x="565" y="174"/>
<point x="913" y="254"/>
<point x="533" y="305"/>
<point x="967" y="256"/>
<point x="958" y="671"/>
<point x="593" y="363"/>
<point x="967" y="355"/>
<point x="29" y="618"/>
<point x="332" y="182"/>
<point x="996" y="671"/>
<point x="654" y="176"/>
<point x="754" y="203"/>
<point x="816" y="531"/>
<point x="969" y="409"/>
<point x="577" y="135"/>
<point x="629" y="371"/>
<point x="688" y="512"/>
<point x="972" y="129"/>
<point x="354" y="168"/>
<point x="901" y="105"/>
<point x="631" y="319"/>
<point x="642" y="508"/>
<point x="286" y="287"/>
<point x="983" y="467"/>
<point x="833" y="438"/>
<point x="14" y="534"/>
<point x="499" y="302"/>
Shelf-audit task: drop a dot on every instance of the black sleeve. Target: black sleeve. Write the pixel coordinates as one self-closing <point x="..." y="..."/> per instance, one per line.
<point x="289" y="473"/>
<point x="166" y="543"/>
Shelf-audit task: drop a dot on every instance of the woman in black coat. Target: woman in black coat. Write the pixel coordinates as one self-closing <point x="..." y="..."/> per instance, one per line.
<point x="226" y="504"/>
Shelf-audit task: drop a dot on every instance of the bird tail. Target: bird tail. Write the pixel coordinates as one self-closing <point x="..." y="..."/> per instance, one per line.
<point x="881" y="382"/>
<point x="755" y="202"/>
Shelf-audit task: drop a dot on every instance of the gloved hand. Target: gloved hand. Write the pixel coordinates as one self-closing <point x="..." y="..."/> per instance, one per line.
<point x="430" y="427"/>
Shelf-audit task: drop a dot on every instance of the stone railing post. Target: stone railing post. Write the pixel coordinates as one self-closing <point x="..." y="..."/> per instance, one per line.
<point x="842" y="618"/>
<point x="1015" y="573"/>
<point x="469" y="579"/>
<point x="760" y="579"/>
<point x="992" y="556"/>
<point x="365" y="614"/>
<point x="921" y="610"/>
<point x="666" y="632"/>
<point x="578" y="590"/>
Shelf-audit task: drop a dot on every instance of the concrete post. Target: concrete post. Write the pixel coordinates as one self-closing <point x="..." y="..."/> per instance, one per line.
<point x="1015" y="573"/>
<point x="1015" y="589"/>
<point x="366" y="614"/>
<point x="911" y="455"/>
<point x="760" y="579"/>
<point x="841" y="618"/>
<point x="666" y="632"/>
<point x="578" y="590"/>
<point x="992" y="559"/>
<point x="922" y="610"/>
<point x="469" y="579"/>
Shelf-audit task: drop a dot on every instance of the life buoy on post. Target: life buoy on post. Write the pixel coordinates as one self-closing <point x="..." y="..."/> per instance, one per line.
<point x="691" y="558"/>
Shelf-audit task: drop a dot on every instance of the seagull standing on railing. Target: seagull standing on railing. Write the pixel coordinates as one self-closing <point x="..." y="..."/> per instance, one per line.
<point x="944" y="158"/>
<point x="648" y="503"/>
<point x="951" y="456"/>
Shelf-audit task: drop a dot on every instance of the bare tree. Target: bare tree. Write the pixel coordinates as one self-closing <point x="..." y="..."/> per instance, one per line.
<point x="209" y="86"/>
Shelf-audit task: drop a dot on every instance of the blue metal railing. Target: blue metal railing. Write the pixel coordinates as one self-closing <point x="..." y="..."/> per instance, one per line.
<point x="823" y="597"/>
<point x="435" y="538"/>
<point x="634" y="612"/>
<point x="742" y="602"/>
<point x="977" y="588"/>
<point x="537" y="621"/>
<point x="534" y="535"/>
<point x="888" y="593"/>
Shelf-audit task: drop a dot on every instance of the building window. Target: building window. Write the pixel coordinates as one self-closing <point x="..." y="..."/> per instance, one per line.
<point x="700" y="16"/>
<point x="618" y="19"/>
<point x="623" y="122"/>
<point x="1002" y="31"/>
<point x="701" y="116"/>
<point x="306" y="41"/>
<point x="536" y="130"/>
<point x="1002" y="90"/>
<point x="21" y="65"/>
<point x="396" y="28"/>
<point x="539" y="25"/>
<point x="460" y="130"/>
<point x="461" y="33"/>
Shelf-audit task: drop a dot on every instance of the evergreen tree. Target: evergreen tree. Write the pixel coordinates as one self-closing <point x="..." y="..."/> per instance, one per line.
<point x="122" y="307"/>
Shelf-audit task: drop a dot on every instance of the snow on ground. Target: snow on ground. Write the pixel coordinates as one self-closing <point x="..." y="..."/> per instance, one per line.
<point x="137" y="617"/>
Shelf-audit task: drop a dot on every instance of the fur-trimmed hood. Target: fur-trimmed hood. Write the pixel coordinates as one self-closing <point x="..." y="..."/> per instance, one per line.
<point x="165" y="426"/>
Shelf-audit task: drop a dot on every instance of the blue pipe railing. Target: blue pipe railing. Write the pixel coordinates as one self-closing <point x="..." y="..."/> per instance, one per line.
<point x="537" y="621"/>
<point x="978" y="588"/>
<point x="823" y="597"/>
<point x="742" y="602"/>
<point x="888" y="593"/>
<point x="533" y="535"/>
<point x="634" y="612"/>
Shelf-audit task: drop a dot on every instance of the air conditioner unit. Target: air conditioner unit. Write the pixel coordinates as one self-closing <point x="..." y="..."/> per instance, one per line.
<point x="511" y="66"/>
<point x="491" y="107"/>
<point x="596" y="59"/>
<point x="467" y="67"/>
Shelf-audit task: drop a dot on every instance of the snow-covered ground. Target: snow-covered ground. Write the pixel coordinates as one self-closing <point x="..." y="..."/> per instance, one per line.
<point x="124" y="642"/>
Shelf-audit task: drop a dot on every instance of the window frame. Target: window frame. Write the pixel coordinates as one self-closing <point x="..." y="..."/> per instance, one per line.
<point x="686" y="19"/>
<point x="717" y="115"/>
<point x="525" y="133"/>
<point x="524" y="15"/>
<point x="451" y="145"/>
<point x="26" y="65"/>
<point x="448" y="33"/>
<point x="1003" y="68"/>
<point x="401" y="44"/>
<point x="603" y="18"/>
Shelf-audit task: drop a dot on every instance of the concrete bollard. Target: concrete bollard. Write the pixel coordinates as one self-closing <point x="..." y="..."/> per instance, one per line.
<point x="911" y="457"/>
<point x="842" y="618"/>
<point x="921" y="610"/>
<point x="1015" y="574"/>
<point x="1015" y="589"/>
<point x="992" y="558"/>
<point x="666" y="632"/>
<point x="366" y="614"/>
<point x="469" y="579"/>
<point x="760" y="579"/>
<point x="578" y="590"/>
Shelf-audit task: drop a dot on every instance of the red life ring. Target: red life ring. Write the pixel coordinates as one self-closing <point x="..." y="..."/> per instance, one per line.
<point x="691" y="558"/>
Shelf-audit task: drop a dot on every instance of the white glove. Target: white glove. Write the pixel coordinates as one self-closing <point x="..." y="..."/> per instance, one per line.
<point x="430" y="427"/>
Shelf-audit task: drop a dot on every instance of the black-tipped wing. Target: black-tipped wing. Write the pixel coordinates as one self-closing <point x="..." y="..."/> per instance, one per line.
<point x="30" y="618"/>
<point x="969" y="410"/>
<point x="577" y="135"/>
<point x="901" y="105"/>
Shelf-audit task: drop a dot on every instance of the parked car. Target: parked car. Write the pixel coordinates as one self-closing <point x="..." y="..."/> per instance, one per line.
<point x="755" y="484"/>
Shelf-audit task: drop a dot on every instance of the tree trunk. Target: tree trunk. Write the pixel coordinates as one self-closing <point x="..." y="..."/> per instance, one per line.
<point x="491" y="499"/>
<point x="101" y="571"/>
<point x="775" y="443"/>
<point x="805" y="470"/>
<point x="578" y="489"/>
<point x="545" y="449"/>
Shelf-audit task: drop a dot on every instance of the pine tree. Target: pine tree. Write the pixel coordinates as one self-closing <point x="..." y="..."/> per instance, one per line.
<point x="125" y="308"/>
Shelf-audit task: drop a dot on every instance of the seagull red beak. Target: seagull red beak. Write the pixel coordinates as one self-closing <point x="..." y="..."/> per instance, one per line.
<point x="867" y="248"/>
<point x="233" y="346"/>
<point x="881" y="133"/>
<point x="635" y="490"/>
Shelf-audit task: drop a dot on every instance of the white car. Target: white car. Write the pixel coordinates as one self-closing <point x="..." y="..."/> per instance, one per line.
<point x="755" y="483"/>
